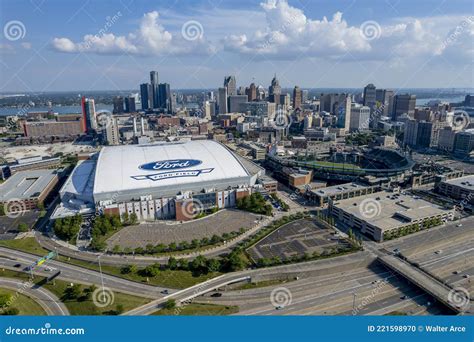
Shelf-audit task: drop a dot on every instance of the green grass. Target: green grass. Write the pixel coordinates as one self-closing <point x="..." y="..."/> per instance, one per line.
<point x="29" y="245"/>
<point x="76" y="307"/>
<point x="197" y="309"/>
<point x="263" y="283"/>
<point x="26" y="305"/>
<point x="335" y="165"/>
<point x="175" y="279"/>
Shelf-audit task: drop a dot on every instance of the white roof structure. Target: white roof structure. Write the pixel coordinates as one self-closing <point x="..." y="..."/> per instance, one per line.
<point x="129" y="171"/>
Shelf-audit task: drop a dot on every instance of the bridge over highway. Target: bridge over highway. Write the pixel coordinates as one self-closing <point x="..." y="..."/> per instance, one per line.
<point x="431" y="285"/>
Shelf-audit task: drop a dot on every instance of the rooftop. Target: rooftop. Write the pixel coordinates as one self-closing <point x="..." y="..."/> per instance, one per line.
<point x="333" y="190"/>
<point x="26" y="184"/>
<point x="388" y="210"/>
<point x="466" y="182"/>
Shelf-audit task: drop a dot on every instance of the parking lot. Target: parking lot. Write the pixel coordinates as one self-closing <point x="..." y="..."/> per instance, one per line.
<point x="296" y="238"/>
<point x="9" y="225"/>
<point x="224" y="221"/>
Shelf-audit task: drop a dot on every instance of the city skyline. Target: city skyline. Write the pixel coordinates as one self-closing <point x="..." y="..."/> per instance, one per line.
<point x="337" y="45"/>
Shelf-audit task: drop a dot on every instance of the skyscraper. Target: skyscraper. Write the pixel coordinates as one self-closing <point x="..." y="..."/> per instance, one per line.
<point x="146" y="94"/>
<point x="89" y="116"/>
<point x="231" y="85"/>
<point x="222" y="100"/>
<point x="235" y="101"/>
<point x="403" y="104"/>
<point x="252" y="92"/>
<point x="155" y="101"/>
<point x="130" y="106"/>
<point x="118" y="104"/>
<point x="274" y="91"/>
<point x="297" y="97"/>
<point x="164" y="97"/>
<point x="343" y="112"/>
<point x="370" y="94"/>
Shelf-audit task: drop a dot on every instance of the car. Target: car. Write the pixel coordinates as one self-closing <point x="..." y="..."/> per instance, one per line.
<point x="216" y="294"/>
<point x="279" y="307"/>
<point x="164" y="292"/>
<point x="466" y="276"/>
<point x="404" y="297"/>
<point x="459" y="225"/>
<point x="48" y="269"/>
<point x="438" y="251"/>
<point x="17" y="265"/>
<point x="456" y="272"/>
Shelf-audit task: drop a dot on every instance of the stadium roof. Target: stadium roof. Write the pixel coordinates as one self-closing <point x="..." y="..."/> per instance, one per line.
<point x="170" y="165"/>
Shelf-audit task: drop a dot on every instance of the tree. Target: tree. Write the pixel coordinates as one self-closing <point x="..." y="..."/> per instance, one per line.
<point x="199" y="264"/>
<point x="172" y="263"/>
<point x="133" y="219"/>
<point x="72" y="292"/>
<point x="119" y="309"/>
<point x="170" y="304"/>
<point x="150" y="271"/>
<point x="213" y="265"/>
<point x="23" y="227"/>
<point x="127" y="269"/>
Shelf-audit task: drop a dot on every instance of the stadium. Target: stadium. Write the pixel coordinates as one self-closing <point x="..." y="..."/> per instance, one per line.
<point x="159" y="181"/>
<point x="376" y="162"/>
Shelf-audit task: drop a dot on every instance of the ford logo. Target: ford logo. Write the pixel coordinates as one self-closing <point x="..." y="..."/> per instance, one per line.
<point x="170" y="164"/>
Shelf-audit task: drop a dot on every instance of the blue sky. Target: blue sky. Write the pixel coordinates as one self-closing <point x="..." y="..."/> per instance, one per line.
<point x="107" y="45"/>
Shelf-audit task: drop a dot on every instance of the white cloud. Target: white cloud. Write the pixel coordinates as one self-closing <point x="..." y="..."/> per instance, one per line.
<point x="151" y="38"/>
<point x="289" y="34"/>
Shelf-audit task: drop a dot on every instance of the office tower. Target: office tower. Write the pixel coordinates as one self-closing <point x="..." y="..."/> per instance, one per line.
<point x="174" y="102"/>
<point x="210" y="96"/>
<point x="164" y="97"/>
<point x="403" y="104"/>
<point x="469" y="100"/>
<point x="360" y="118"/>
<point x="155" y="101"/>
<point x="370" y="96"/>
<point x="231" y="85"/>
<point x="146" y="94"/>
<point x="252" y="92"/>
<point x="304" y="96"/>
<point x="110" y="131"/>
<point x="446" y="139"/>
<point x="89" y="116"/>
<point x="410" y="134"/>
<point x="118" y="104"/>
<point x="222" y="100"/>
<point x="285" y="100"/>
<point x="259" y="108"/>
<point x="261" y="93"/>
<point x="209" y="109"/>
<point x="130" y="106"/>
<point x="343" y="112"/>
<point x="418" y="133"/>
<point x="297" y="97"/>
<point x="235" y="101"/>
<point x="464" y="142"/>
<point x="274" y="91"/>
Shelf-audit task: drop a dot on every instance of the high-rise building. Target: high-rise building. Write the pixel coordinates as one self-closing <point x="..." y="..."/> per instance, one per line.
<point x="370" y="94"/>
<point x="252" y="92"/>
<point x="209" y="109"/>
<point x="446" y="139"/>
<point x="222" y="100"/>
<point x="464" y="142"/>
<point x="274" y="91"/>
<point x="130" y="106"/>
<point x="88" y="112"/>
<point x="118" y="104"/>
<point x="343" y="113"/>
<point x="164" y="97"/>
<point x="297" y="97"/>
<point x="231" y="85"/>
<point x="235" y="101"/>
<point x="403" y="104"/>
<point x="154" y="81"/>
<point x="360" y="117"/>
<point x="146" y="94"/>
<point x="110" y="131"/>
<point x="305" y="95"/>
<point x="418" y="133"/>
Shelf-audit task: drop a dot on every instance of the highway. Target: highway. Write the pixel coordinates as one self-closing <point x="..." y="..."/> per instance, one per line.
<point x="76" y="274"/>
<point x="51" y="304"/>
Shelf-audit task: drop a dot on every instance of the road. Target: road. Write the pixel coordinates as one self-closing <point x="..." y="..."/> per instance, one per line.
<point x="76" y="274"/>
<point x="51" y="304"/>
